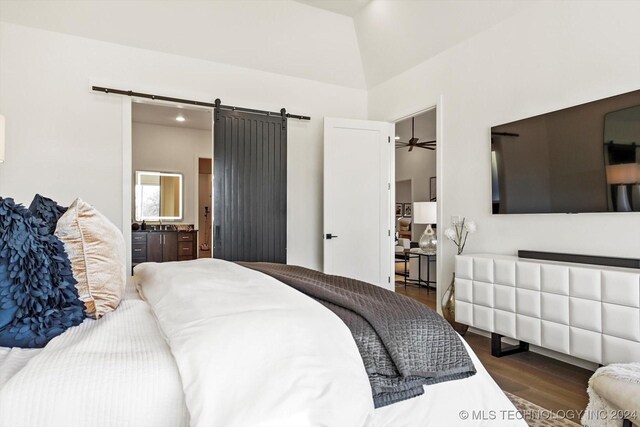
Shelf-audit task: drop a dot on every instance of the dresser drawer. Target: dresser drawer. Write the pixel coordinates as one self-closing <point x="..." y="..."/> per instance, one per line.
<point x="185" y="237"/>
<point x="139" y="238"/>
<point x="139" y="250"/>
<point x="185" y="249"/>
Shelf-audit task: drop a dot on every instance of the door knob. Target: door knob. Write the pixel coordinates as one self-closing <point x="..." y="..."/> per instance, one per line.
<point x="330" y="236"/>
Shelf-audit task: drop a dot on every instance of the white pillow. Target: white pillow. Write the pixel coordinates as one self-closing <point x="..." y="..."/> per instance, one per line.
<point x="97" y="252"/>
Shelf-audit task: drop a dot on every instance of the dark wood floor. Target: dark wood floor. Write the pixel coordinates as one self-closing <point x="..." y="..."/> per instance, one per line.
<point x="547" y="382"/>
<point x="419" y="294"/>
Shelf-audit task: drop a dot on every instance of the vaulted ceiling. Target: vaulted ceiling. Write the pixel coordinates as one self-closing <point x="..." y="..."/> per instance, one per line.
<point x="343" y="7"/>
<point x="354" y="43"/>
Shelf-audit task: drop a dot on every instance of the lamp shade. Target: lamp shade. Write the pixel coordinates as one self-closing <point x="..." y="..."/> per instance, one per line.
<point x="2" y="133"/>
<point x="625" y="173"/>
<point x="425" y="212"/>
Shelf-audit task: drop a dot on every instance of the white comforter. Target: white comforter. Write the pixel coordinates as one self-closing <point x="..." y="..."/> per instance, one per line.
<point x="117" y="371"/>
<point x="252" y="351"/>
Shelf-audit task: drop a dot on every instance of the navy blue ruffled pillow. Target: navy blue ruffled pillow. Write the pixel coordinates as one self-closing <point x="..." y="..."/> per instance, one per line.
<point x="38" y="297"/>
<point x="47" y="210"/>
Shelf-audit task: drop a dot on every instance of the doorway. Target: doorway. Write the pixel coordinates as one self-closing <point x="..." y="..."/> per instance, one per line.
<point x="205" y="212"/>
<point x="416" y="182"/>
<point x="171" y="141"/>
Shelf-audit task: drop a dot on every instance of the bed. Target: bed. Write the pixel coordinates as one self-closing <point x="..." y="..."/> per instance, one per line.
<point x="209" y="343"/>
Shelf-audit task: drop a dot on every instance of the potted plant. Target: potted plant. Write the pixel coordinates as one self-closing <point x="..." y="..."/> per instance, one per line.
<point x="457" y="233"/>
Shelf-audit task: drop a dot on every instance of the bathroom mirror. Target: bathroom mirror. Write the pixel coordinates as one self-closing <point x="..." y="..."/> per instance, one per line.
<point x="158" y="196"/>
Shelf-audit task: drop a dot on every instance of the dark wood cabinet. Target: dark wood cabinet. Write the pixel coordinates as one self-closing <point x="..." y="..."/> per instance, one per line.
<point x="187" y="246"/>
<point x="154" y="247"/>
<point x="163" y="246"/>
<point x="170" y="246"/>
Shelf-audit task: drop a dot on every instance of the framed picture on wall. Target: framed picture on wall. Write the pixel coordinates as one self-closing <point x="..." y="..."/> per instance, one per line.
<point x="407" y="210"/>
<point x="432" y="189"/>
<point x="399" y="209"/>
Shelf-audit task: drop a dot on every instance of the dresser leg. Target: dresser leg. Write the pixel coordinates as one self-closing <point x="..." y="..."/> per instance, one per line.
<point x="497" y="350"/>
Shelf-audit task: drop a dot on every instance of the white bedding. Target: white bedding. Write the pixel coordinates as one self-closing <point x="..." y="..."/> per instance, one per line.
<point x="217" y="314"/>
<point x="252" y="351"/>
<point x="12" y="360"/>
<point x="119" y="371"/>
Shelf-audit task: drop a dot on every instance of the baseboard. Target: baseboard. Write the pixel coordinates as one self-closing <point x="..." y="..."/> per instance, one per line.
<point x="545" y="352"/>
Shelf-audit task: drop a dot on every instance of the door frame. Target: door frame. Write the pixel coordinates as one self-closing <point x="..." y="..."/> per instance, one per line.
<point x="127" y="163"/>
<point x="439" y="106"/>
<point x="127" y="173"/>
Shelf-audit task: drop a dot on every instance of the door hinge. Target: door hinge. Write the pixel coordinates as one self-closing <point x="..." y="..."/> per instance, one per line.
<point x="389" y="233"/>
<point x="389" y="186"/>
<point x="388" y="279"/>
<point x="389" y="139"/>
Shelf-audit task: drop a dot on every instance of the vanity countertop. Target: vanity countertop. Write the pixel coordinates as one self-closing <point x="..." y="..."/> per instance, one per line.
<point x="163" y="231"/>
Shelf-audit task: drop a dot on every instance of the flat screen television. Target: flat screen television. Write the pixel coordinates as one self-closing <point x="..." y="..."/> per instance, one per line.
<point x="580" y="159"/>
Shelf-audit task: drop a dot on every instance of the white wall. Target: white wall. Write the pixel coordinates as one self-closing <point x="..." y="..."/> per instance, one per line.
<point x="403" y="191"/>
<point x="64" y="140"/>
<point x="555" y="55"/>
<point x="280" y="36"/>
<point x="171" y="149"/>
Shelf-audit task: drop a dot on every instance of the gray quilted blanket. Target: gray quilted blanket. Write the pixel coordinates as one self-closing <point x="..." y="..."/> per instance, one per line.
<point x="404" y="344"/>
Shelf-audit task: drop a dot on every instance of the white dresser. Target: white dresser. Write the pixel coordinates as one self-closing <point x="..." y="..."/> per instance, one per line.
<point x="586" y="311"/>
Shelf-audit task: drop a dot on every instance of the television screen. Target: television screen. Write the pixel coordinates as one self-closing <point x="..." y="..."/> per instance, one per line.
<point x="579" y="159"/>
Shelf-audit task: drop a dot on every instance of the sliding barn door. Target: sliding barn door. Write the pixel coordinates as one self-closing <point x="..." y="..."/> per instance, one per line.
<point x="250" y="187"/>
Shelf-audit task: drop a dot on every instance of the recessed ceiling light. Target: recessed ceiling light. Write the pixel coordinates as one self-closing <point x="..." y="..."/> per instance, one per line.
<point x="180" y="118"/>
<point x="397" y="138"/>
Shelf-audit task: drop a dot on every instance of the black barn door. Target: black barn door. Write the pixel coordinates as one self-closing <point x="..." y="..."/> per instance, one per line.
<point x="250" y="187"/>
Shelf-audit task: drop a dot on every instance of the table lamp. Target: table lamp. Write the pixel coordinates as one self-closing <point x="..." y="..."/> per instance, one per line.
<point x="426" y="213"/>
<point x="622" y="175"/>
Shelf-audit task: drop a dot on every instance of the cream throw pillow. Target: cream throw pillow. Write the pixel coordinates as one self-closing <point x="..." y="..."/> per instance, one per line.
<point x="97" y="252"/>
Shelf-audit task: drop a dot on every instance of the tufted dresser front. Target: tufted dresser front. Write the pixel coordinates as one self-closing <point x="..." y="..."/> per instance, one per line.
<point x="589" y="312"/>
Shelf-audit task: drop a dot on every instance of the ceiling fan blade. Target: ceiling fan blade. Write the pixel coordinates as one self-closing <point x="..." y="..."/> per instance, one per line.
<point x="426" y="144"/>
<point x="413" y="140"/>
<point x="425" y="147"/>
<point x="411" y="147"/>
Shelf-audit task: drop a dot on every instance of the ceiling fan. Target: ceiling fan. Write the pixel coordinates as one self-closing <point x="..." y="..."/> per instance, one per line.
<point x="413" y="142"/>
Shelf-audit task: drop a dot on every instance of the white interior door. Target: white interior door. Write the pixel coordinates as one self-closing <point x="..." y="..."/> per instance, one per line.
<point x="358" y="200"/>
